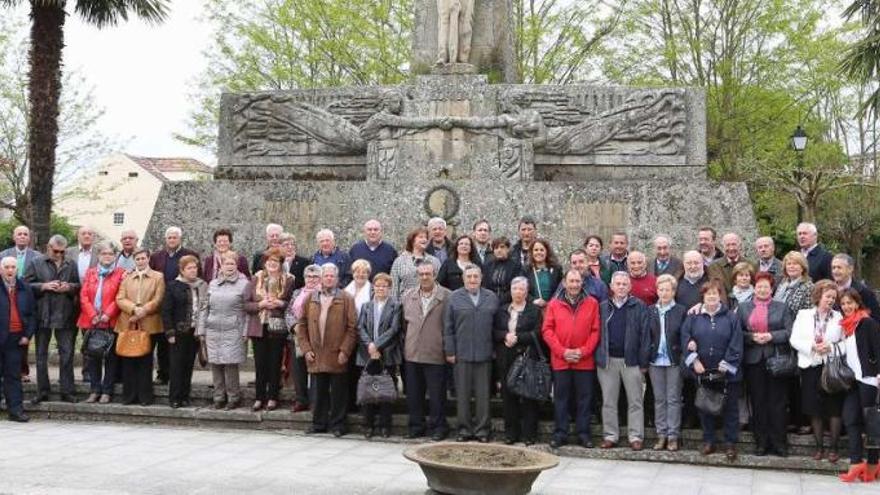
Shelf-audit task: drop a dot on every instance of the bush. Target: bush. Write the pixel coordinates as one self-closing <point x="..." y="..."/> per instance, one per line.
<point x="60" y="225"/>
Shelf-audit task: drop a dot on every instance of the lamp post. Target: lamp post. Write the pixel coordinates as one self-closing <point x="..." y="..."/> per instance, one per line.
<point x="799" y="144"/>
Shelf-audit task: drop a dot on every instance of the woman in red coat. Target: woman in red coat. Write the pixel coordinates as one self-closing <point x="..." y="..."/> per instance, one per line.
<point x="98" y="312"/>
<point x="571" y="330"/>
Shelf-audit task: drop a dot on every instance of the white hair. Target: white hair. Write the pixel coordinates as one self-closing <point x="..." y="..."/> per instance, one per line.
<point x="617" y="275"/>
<point x="20" y="228"/>
<point x="663" y="238"/>
<point x="436" y="221"/>
<point x="10" y="259"/>
<point x="469" y="267"/>
<point x="519" y="280"/>
<point x="324" y="233"/>
<point x="273" y="226"/>
<point x="173" y="230"/>
<point x="329" y="267"/>
<point x="810" y="227"/>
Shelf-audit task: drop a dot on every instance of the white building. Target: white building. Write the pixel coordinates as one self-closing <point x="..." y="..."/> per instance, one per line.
<point x="121" y="192"/>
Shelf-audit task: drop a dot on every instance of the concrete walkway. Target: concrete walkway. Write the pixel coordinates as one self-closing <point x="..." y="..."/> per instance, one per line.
<point x="46" y="457"/>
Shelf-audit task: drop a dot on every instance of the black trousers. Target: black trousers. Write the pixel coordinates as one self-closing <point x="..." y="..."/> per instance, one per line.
<point x="10" y="371"/>
<point x="65" y="339"/>
<point x="268" y="353"/>
<point x="182" y="357"/>
<point x="520" y="415"/>
<point x="300" y="379"/>
<point x="860" y="396"/>
<point x="573" y="387"/>
<point x="137" y="379"/>
<point x="160" y="345"/>
<point x="767" y="397"/>
<point x="425" y="378"/>
<point x="330" y="402"/>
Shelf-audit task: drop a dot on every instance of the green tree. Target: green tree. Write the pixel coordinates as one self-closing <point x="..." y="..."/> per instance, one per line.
<point x="291" y="44"/>
<point x="861" y="61"/>
<point x="45" y="82"/>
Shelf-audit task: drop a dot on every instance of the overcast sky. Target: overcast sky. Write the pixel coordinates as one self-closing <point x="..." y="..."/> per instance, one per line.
<point x="142" y="75"/>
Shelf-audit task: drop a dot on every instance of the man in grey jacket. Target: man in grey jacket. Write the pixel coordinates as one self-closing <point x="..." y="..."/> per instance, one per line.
<point x="467" y="342"/>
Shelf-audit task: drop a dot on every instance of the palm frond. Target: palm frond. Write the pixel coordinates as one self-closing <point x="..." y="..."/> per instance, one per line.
<point x="103" y="13"/>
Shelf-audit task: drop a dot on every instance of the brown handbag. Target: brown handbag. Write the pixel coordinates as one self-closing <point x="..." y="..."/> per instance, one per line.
<point x="133" y="342"/>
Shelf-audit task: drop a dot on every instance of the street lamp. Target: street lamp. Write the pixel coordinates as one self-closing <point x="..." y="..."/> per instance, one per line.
<point x="799" y="144"/>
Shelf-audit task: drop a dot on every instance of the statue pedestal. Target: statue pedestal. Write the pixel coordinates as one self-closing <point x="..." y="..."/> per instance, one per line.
<point x="455" y="69"/>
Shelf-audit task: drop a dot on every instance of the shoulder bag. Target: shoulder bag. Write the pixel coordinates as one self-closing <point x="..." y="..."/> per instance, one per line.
<point x="376" y="388"/>
<point x="97" y="342"/>
<point x="836" y="375"/>
<point x="134" y="342"/>
<point x="529" y="377"/>
<point x="782" y="364"/>
<point x="711" y="392"/>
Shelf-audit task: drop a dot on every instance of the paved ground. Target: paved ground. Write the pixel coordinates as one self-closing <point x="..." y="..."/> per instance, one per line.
<point x="45" y="457"/>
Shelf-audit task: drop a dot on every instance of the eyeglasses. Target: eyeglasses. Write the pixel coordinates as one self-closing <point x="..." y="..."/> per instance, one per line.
<point x="58" y="251"/>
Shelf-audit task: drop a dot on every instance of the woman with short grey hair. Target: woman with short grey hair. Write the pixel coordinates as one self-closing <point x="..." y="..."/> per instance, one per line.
<point x="298" y="301"/>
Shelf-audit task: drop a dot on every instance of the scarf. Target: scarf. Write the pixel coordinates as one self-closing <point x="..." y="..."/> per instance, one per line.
<point x="742" y="295"/>
<point x="300" y="302"/>
<point x="759" y="320"/>
<point x="103" y="272"/>
<point x="196" y="289"/>
<point x="849" y="323"/>
<point x="785" y="287"/>
<point x="216" y="272"/>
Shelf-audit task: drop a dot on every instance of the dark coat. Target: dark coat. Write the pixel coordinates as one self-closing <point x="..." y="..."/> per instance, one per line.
<point x="867" y="345"/>
<point x="637" y="343"/>
<point x="451" y="276"/>
<point x="718" y="338"/>
<point x="27" y="305"/>
<point x="54" y="309"/>
<point x="497" y="275"/>
<point x="177" y="314"/>
<point x="674" y="268"/>
<point x="688" y="294"/>
<point x="819" y="263"/>
<point x="160" y="258"/>
<point x="297" y="269"/>
<point x="467" y="329"/>
<point x="388" y="332"/>
<point x="869" y="298"/>
<point x="780" y="320"/>
<point x="528" y="328"/>
<point x="674" y="319"/>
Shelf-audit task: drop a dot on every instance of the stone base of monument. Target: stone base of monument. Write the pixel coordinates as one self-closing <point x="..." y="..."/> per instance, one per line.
<point x="479" y="469"/>
<point x="453" y="69"/>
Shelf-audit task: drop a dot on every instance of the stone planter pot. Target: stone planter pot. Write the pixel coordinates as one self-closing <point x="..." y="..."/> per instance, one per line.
<point x="480" y="469"/>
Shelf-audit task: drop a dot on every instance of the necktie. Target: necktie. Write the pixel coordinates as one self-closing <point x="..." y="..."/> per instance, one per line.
<point x="20" y="262"/>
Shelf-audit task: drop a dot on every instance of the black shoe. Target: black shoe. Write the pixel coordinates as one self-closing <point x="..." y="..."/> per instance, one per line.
<point x="781" y="452"/>
<point x="385" y="432"/>
<point x="368" y="432"/>
<point x="415" y="434"/>
<point x="482" y="439"/>
<point x="68" y="398"/>
<point x="761" y="450"/>
<point x="529" y="441"/>
<point x="128" y="402"/>
<point x="586" y="443"/>
<point x="175" y="405"/>
<point x="439" y="436"/>
<point x="462" y="437"/>
<point x="555" y="443"/>
<point x="40" y="398"/>
<point x="185" y="403"/>
<point x="338" y="433"/>
<point x="312" y="430"/>
<point x="19" y="418"/>
<point x="509" y="441"/>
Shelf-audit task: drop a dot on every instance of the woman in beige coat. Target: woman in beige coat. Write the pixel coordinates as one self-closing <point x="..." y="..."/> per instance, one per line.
<point x="140" y="301"/>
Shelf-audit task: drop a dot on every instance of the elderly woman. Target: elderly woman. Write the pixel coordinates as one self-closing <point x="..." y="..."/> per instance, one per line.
<point x="378" y="338"/>
<point x="862" y="343"/>
<point x="451" y="274"/>
<point x="518" y="328"/>
<point x="298" y="301"/>
<point x="266" y="299"/>
<point x="500" y="269"/>
<point x="98" y="313"/>
<point x="743" y="276"/>
<point x="223" y="329"/>
<point x="222" y="244"/>
<point x="814" y="333"/>
<point x="543" y="272"/>
<point x="140" y="301"/>
<point x="403" y="271"/>
<point x="766" y="327"/>
<point x="714" y="343"/>
<point x="185" y="298"/>
<point x="666" y="318"/>
<point x="360" y="289"/>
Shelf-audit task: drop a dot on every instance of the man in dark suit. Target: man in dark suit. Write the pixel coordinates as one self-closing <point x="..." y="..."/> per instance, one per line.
<point x="842" y="266"/>
<point x="664" y="262"/>
<point x="818" y="258"/>
<point x="165" y="261"/>
<point x="767" y="260"/>
<point x="24" y="255"/>
<point x="17" y="326"/>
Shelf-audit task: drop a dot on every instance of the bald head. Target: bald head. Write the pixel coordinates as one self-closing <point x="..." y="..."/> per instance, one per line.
<point x="693" y="264"/>
<point x="637" y="264"/>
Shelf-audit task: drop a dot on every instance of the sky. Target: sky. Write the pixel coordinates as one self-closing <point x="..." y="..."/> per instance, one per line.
<point x="142" y="75"/>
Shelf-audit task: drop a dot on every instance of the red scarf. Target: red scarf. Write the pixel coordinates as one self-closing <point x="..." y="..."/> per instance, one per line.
<point x="849" y="323"/>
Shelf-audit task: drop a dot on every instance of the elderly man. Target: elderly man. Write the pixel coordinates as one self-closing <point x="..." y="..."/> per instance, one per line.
<point x="438" y="244"/>
<point x="424" y="360"/>
<point x="767" y="260"/>
<point x="623" y="355"/>
<point x="644" y="284"/>
<point x="467" y="340"/>
<point x="327" y="336"/>
<point x="84" y="253"/>
<point x="691" y="283"/>
<point x="842" y="266"/>
<point x="664" y="262"/>
<point x="23" y="254"/>
<point x="722" y="268"/>
<point x="17" y="326"/>
<point x="273" y="239"/>
<point x="528" y="232"/>
<point x="380" y="254"/>
<point x="55" y="283"/>
<point x="166" y="261"/>
<point x="125" y="258"/>
<point x="591" y="284"/>
<point x="818" y="258"/>
<point x="706" y="245"/>
<point x="482" y="237"/>
<point x="328" y="252"/>
<point x="618" y="253"/>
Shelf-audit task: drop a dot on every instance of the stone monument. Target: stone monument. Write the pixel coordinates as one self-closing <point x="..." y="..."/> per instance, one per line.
<point x="580" y="159"/>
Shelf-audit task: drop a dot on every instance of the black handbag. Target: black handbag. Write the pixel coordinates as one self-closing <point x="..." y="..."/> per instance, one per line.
<point x="871" y="416"/>
<point x="529" y="377"/>
<point x="376" y="388"/>
<point x="836" y="375"/>
<point x="97" y="343"/>
<point x="711" y="392"/>
<point x="782" y="364"/>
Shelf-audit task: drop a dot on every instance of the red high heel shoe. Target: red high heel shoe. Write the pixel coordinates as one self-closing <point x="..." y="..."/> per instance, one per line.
<point x="870" y="473"/>
<point x="855" y="471"/>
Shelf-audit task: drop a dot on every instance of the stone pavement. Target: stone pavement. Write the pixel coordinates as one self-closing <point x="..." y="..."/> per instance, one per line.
<point x="45" y="457"/>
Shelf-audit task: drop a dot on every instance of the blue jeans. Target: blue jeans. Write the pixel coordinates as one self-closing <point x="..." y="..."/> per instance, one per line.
<point x="729" y="417"/>
<point x="99" y="384"/>
<point x="577" y="385"/>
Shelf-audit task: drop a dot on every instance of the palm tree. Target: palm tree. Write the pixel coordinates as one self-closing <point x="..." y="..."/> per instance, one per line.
<point x="861" y="62"/>
<point x="44" y="86"/>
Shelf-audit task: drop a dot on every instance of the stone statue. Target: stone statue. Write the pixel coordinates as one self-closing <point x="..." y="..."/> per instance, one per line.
<point x="454" y="30"/>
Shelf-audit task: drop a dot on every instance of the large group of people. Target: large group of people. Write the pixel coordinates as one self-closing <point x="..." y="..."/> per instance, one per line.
<point x="720" y="340"/>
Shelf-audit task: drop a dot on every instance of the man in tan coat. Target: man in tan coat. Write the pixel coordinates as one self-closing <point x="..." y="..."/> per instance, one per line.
<point x="425" y="363"/>
<point x="327" y="336"/>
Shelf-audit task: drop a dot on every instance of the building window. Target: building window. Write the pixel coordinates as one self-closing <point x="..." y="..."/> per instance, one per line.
<point x="103" y="172"/>
<point x="132" y="174"/>
<point x="118" y="218"/>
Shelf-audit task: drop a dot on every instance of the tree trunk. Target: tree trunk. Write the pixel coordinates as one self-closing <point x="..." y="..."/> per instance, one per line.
<point x="44" y="92"/>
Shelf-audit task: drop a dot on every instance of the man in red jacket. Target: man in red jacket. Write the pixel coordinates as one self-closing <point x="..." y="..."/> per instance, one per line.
<point x="571" y="331"/>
